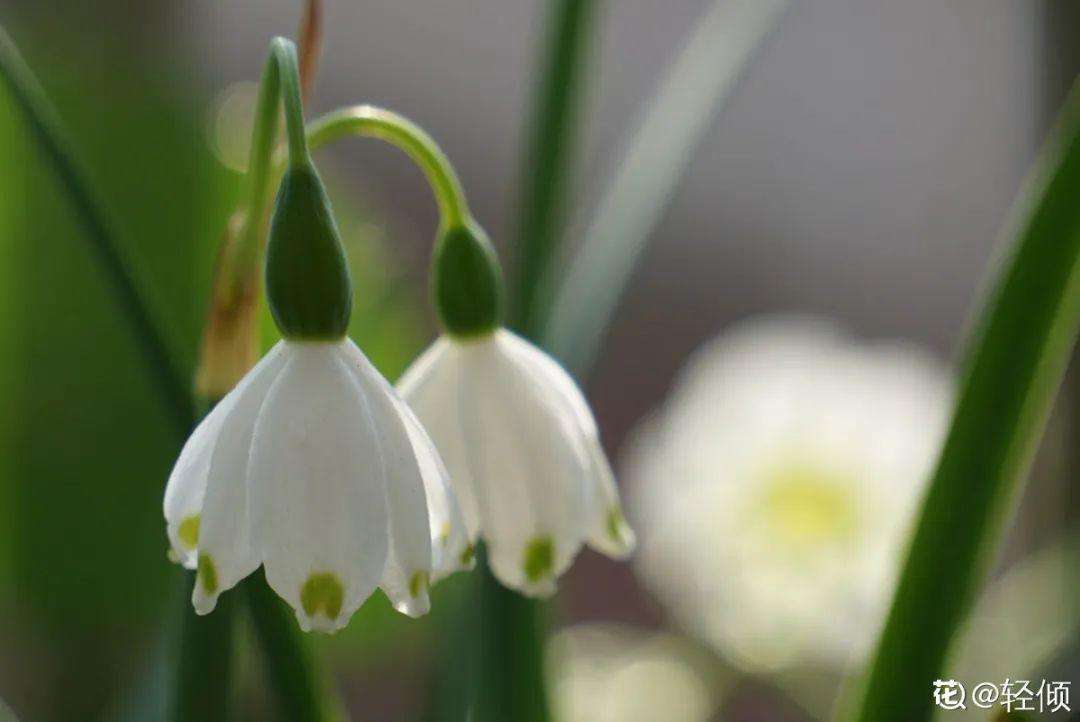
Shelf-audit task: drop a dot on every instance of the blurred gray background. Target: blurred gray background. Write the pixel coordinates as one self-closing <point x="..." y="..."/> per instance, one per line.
<point x="862" y="168"/>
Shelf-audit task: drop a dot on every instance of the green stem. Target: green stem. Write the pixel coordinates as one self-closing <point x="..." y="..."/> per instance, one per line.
<point x="509" y="673"/>
<point x="360" y="120"/>
<point x="547" y="161"/>
<point x="289" y="663"/>
<point x="205" y="657"/>
<point x="1015" y="361"/>
<point x="100" y="231"/>
<point x="385" y="125"/>
<point x="280" y="83"/>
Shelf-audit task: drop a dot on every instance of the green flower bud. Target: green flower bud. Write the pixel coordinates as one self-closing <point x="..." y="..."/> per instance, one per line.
<point x="307" y="277"/>
<point x="467" y="281"/>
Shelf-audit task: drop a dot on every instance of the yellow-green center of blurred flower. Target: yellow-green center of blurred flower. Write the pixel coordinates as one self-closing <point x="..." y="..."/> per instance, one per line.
<point x="806" y="504"/>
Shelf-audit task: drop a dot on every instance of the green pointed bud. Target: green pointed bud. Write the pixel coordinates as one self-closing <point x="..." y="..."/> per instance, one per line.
<point x="307" y="277"/>
<point x="467" y="281"/>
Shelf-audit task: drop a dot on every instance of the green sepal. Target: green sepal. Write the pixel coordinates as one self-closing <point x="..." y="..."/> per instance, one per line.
<point x="467" y="281"/>
<point x="307" y="277"/>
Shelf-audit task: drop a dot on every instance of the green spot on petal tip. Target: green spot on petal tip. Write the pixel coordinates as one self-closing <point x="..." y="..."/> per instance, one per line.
<point x="616" y="526"/>
<point x="539" y="558"/>
<point x="322" y="592"/>
<point x="207" y="574"/>
<point x="188" y="531"/>
<point x="418" y="584"/>
<point x="468" y="554"/>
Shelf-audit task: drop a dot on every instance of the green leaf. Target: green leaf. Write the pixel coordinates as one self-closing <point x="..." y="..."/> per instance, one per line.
<point x="1017" y="355"/>
<point x="585" y="289"/>
<point x="97" y="226"/>
<point x="546" y="167"/>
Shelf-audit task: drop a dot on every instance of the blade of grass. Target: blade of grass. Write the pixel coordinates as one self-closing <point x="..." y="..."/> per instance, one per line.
<point x="585" y="290"/>
<point x="1015" y="360"/>
<point x="546" y="163"/>
<point x="100" y="231"/>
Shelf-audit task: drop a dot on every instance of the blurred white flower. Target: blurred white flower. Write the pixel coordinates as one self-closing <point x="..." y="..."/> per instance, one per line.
<point x="314" y="468"/>
<point x="774" y="491"/>
<point x="611" y="673"/>
<point x="523" y="452"/>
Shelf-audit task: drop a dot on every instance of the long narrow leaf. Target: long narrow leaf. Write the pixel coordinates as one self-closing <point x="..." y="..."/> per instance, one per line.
<point x="52" y="138"/>
<point x="547" y="161"/>
<point x="1015" y="361"/>
<point x="587" y="289"/>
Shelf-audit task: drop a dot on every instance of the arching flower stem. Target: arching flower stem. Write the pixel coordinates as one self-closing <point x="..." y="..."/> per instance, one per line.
<point x="373" y="122"/>
<point x="280" y="84"/>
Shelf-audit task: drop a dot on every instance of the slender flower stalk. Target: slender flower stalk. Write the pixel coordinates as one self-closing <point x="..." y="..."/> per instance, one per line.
<point x="374" y="122"/>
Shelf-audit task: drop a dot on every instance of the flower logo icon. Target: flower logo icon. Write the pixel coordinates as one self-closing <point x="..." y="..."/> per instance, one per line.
<point x="949" y="694"/>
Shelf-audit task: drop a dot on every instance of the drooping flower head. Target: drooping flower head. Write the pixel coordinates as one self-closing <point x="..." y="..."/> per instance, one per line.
<point x="518" y="438"/>
<point x="312" y="466"/>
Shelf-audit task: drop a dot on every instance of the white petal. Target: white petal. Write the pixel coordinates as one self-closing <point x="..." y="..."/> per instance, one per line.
<point x="452" y="549"/>
<point x="606" y="526"/>
<point x="186" y="489"/>
<point x="548" y="373"/>
<point x="608" y="531"/>
<point x="226" y="554"/>
<point x="432" y="387"/>
<point x="530" y="470"/>
<point x="409" y="564"/>
<point x="317" y="485"/>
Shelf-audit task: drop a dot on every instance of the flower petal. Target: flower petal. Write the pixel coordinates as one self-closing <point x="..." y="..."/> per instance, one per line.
<point x="549" y="374"/>
<point x="608" y="531"/>
<point x="226" y="554"/>
<point x="452" y="550"/>
<point x="317" y="485"/>
<point x="530" y="470"/>
<point x="408" y="565"/>
<point x="432" y="388"/>
<point x="186" y="490"/>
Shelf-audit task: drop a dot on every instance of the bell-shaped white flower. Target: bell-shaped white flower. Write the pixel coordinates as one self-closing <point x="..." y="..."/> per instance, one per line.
<point x="523" y="452"/>
<point x="314" y="468"/>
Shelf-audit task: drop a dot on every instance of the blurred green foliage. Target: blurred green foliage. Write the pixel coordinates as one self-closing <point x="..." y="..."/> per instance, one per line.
<point x="91" y="445"/>
<point x="83" y="571"/>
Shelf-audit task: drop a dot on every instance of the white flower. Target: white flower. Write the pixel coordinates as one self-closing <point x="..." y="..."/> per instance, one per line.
<point x="775" y="490"/>
<point x="314" y="468"/>
<point x="523" y="452"/>
<point x="615" y="673"/>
